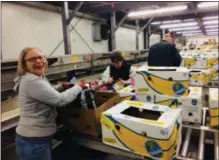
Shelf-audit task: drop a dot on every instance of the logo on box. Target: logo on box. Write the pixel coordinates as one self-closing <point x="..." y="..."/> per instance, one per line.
<point x="154" y="149"/>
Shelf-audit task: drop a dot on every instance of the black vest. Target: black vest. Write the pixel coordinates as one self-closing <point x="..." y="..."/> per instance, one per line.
<point x="122" y="73"/>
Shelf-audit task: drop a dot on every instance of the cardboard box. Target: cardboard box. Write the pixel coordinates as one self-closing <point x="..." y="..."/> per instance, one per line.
<point x="213" y="107"/>
<point x="191" y="105"/>
<point x="88" y="121"/>
<point x="198" y="77"/>
<point x="212" y="75"/>
<point x="172" y="81"/>
<point x="143" y="128"/>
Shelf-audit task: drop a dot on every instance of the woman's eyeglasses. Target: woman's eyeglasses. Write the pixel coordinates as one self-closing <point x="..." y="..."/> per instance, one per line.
<point x="34" y="59"/>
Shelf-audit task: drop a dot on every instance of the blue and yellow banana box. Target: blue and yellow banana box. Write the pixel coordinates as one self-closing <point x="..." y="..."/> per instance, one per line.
<point x="202" y="77"/>
<point x="143" y="128"/>
<point x="191" y="105"/>
<point x="127" y="93"/>
<point x="198" y="77"/>
<point x="172" y="81"/>
<point x="213" y="107"/>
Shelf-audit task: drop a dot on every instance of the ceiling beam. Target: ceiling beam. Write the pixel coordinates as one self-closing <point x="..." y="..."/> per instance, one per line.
<point x="73" y="13"/>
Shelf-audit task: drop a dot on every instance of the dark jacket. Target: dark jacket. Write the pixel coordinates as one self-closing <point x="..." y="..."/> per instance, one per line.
<point x="122" y="73"/>
<point x="164" y="54"/>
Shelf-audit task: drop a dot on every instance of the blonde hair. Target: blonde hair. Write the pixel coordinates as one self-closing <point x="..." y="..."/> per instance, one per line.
<point x="21" y="66"/>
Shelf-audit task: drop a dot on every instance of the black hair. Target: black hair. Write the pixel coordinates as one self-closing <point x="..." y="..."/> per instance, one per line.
<point x="116" y="56"/>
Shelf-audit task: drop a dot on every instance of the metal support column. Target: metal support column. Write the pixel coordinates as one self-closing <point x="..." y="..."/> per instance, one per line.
<point x="186" y="142"/>
<point x="201" y="145"/>
<point x="66" y="29"/>
<point x="146" y="38"/>
<point x="216" y="146"/>
<point x="137" y="33"/>
<point x="112" y="29"/>
<point x="72" y="15"/>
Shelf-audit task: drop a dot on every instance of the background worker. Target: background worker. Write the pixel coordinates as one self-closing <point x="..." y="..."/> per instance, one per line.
<point x="38" y="100"/>
<point x="164" y="53"/>
<point x="119" y="69"/>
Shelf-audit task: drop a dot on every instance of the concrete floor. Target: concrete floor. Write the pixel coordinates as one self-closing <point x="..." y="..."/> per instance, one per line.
<point x="67" y="152"/>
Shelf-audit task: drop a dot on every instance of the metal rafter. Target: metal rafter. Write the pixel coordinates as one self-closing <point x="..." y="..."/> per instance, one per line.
<point x="146" y="25"/>
<point x="72" y="15"/>
<point x="121" y="21"/>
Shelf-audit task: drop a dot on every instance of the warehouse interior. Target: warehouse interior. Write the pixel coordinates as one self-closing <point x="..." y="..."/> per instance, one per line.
<point x="79" y="37"/>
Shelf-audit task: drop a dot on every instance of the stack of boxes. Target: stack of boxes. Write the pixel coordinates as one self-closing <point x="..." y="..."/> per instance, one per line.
<point x="213" y="107"/>
<point x="169" y="86"/>
<point x="203" y="67"/>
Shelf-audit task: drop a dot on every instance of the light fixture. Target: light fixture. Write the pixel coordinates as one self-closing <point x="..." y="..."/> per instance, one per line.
<point x="212" y="17"/>
<point x="179" y="25"/>
<point x="193" y="34"/>
<point x="188" y="20"/>
<point x="158" y="11"/>
<point x="207" y="4"/>
<point x="174" y="21"/>
<point x="156" y="23"/>
<point x="185" y="28"/>
<point x="216" y="26"/>
<point x="210" y="22"/>
<point x="195" y="31"/>
<point x="213" y="33"/>
<point x="212" y="30"/>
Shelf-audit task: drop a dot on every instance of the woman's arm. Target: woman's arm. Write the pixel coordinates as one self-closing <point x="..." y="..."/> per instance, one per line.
<point x="42" y="91"/>
<point x="106" y="75"/>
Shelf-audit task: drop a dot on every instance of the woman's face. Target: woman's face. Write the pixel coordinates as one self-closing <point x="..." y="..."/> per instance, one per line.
<point x="35" y="62"/>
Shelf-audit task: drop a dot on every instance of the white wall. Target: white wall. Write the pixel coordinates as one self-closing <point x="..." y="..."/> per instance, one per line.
<point x="24" y="26"/>
<point x="198" y="40"/>
<point x="154" y="38"/>
<point x="126" y="39"/>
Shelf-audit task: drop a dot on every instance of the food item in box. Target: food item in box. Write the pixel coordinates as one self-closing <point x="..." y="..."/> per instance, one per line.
<point x="150" y="130"/>
<point x="213" y="107"/>
<point x="172" y="81"/>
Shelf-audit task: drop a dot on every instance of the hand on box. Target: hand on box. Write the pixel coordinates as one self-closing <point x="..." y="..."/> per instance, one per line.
<point x="110" y="80"/>
<point x="66" y="85"/>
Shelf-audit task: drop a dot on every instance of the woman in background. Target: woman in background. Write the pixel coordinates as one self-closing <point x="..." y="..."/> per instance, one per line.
<point x="119" y="69"/>
<point x="38" y="100"/>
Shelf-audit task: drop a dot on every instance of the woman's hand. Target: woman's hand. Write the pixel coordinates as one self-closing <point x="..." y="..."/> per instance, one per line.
<point x="66" y="85"/>
<point x="110" y="80"/>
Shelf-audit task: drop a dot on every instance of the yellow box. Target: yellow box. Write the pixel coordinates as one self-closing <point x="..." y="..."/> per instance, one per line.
<point x="198" y="77"/>
<point x="213" y="107"/>
<point x="143" y="128"/>
<point x="191" y="105"/>
<point x="172" y="81"/>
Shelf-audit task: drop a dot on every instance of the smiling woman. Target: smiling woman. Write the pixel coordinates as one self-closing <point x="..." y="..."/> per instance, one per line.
<point x="38" y="100"/>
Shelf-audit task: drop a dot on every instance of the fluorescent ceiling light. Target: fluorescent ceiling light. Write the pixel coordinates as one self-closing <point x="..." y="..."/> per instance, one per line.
<point x="207" y="4"/>
<point x="184" y="28"/>
<point x="174" y="21"/>
<point x="216" y="26"/>
<point x="188" y="20"/>
<point x="212" y="30"/>
<point x="212" y="17"/>
<point x="211" y="22"/>
<point x="213" y="33"/>
<point x="197" y="31"/>
<point x="179" y="25"/>
<point x="155" y="23"/>
<point x="157" y="11"/>
<point x="197" y="34"/>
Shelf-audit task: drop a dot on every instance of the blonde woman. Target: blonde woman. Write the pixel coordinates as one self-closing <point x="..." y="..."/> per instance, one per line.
<point x="38" y="100"/>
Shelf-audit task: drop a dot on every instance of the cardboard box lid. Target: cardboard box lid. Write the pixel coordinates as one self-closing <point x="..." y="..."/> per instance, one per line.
<point x="213" y="93"/>
<point x="156" y="113"/>
<point x="162" y="69"/>
<point x="195" y="92"/>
